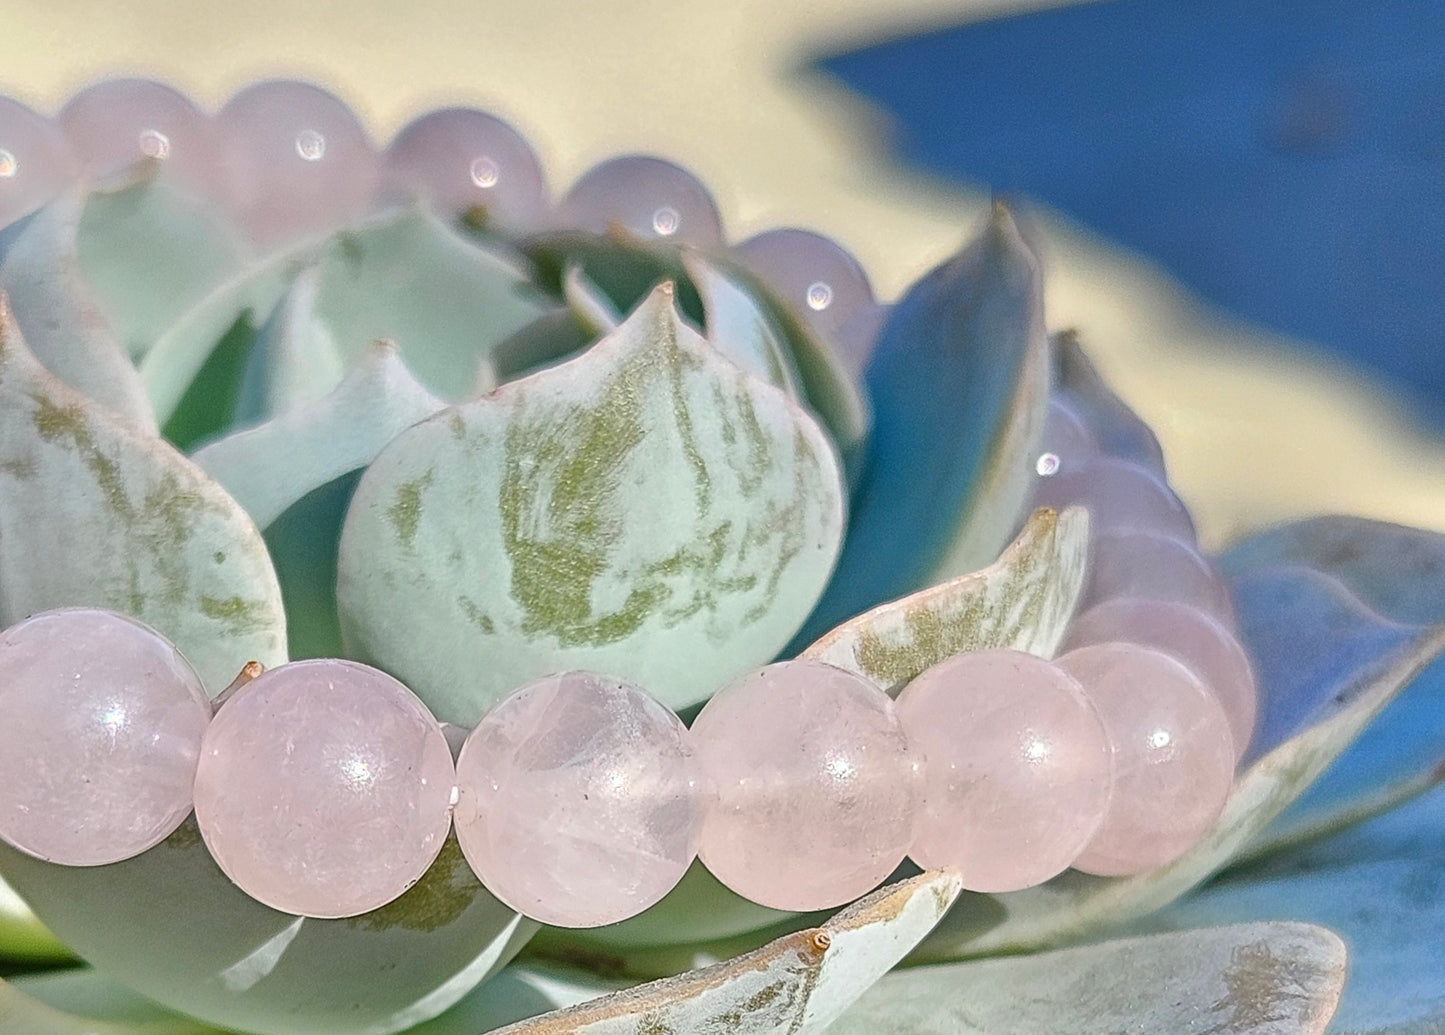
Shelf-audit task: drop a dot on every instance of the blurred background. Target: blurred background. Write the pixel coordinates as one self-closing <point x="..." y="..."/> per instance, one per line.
<point x="1241" y="204"/>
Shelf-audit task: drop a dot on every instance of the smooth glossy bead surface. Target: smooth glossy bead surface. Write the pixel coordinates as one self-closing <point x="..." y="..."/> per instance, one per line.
<point x="814" y="274"/>
<point x="1120" y="496"/>
<point x="1153" y="566"/>
<point x="647" y="196"/>
<point x="1067" y="443"/>
<point x="1173" y="756"/>
<point x="817" y="787"/>
<point x="102" y="724"/>
<point x="1197" y="639"/>
<point x="460" y="158"/>
<point x="35" y="161"/>
<point x="580" y="801"/>
<point x="116" y="125"/>
<point x="1018" y="769"/>
<point x="324" y="788"/>
<point x="297" y="160"/>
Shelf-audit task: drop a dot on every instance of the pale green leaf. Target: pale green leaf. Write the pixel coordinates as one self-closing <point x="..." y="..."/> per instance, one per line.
<point x="83" y="993"/>
<point x="588" y="303"/>
<point x="737" y="326"/>
<point x="1023" y="601"/>
<point x="520" y="991"/>
<point x="66" y="330"/>
<point x="293" y="360"/>
<point x="23" y="938"/>
<point x="95" y="511"/>
<point x="646" y="510"/>
<point x="22" y="1014"/>
<point x="1251" y="979"/>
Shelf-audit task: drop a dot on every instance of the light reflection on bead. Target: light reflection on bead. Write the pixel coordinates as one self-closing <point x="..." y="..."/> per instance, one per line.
<point x="649" y="197"/>
<point x="117" y="124"/>
<point x="40" y="164"/>
<point x="820" y="279"/>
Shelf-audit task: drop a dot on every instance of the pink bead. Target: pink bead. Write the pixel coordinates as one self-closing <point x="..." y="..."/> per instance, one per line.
<point x="1197" y="639"/>
<point x="1153" y="566"/>
<point x="822" y="281"/>
<point x="35" y="161"/>
<point x="580" y="800"/>
<point x="1018" y="768"/>
<point x="102" y="726"/>
<point x="1173" y="756"/>
<point x="817" y="786"/>
<point x="649" y="197"/>
<point x="324" y="788"/>
<point x="297" y="160"/>
<point x="1120" y="496"/>
<point x="458" y="159"/>
<point x="859" y="334"/>
<point x="1067" y="443"/>
<point x="116" y="125"/>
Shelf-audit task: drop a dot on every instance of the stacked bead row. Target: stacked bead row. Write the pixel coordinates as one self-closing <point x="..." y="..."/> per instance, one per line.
<point x="289" y="161"/>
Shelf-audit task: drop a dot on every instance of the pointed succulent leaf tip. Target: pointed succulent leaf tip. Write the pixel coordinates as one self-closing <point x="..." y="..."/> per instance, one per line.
<point x="95" y="511"/>
<point x="1261" y="978"/>
<point x="66" y="330"/>
<point x="23" y="938"/>
<point x="293" y="360"/>
<point x="1023" y="601"/>
<point x="1326" y="666"/>
<point x="176" y="930"/>
<point x="959" y="382"/>
<point x="797" y="985"/>
<point x="150" y="250"/>
<point x="587" y="301"/>
<point x="1397" y="571"/>
<point x="646" y="510"/>
<point x="1118" y="429"/>
<point x="738" y="327"/>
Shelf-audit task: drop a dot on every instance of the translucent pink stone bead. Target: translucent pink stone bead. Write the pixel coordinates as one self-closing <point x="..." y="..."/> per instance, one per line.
<point x="1018" y="769"/>
<point x="817" y="276"/>
<point x="859" y="334"/>
<point x="1197" y="639"/>
<point x="115" y="125"/>
<point x="460" y="158"/>
<point x="1173" y="756"/>
<point x="324" y="788"/>
<point x="1067" y="443"/>
<point x="297" y="160"/>
<point x="35" y="161"/>
<point x="1153" y="566"/>
<point x="102" y="725"/>
<point x="1120" y="496"/>
<point x="817" y="786"/>
<point x="648" y="196"/>
<point x="580" y="800"/>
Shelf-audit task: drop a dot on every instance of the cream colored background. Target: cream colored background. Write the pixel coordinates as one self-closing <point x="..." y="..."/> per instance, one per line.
<point x="1253" y="434"/>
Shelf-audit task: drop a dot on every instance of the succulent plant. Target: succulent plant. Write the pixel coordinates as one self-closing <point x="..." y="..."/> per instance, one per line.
<point x="280" y="397"/>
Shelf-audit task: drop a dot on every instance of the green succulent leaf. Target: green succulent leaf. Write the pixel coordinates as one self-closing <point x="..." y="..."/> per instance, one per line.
<point x="93" y="1005"/>
<point x="738" y="327"/>
<point x="797" y="985"/>
<point x="959" y="381"/>
<point x="293" y="358"/>
<point x="584" y="517"/>
<point x="66" y="330"/>
<point x="20" y="1012"/>
<point x="587" y="302"/>
<point x="150" y="251"/>
<point x="1326" y="668"/>
<point x="170" y="925"/>
<point x="1024" y="601"/>
<point x="519" y="991"/>
<point x="139" y="528"/>
<point x="1261" y="978"/>
<point x="23" y="938"/>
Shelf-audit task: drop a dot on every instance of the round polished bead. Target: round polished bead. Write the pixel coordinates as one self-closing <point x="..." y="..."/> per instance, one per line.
<point x="859" y="334"/>
<point x="1018" y="768"/>
<point x="1197" y="639"/>
<point x="817" y="786"/>
<point x="116" y="125"/>
<point x="461" y="160"/>
<point x="1173" y="756"/>
<point x="297" y="160"/>
<point x="580" y="801"/>
<point x="646" y="196"/>
<point x="1120" y="496"/>
<point x="814" y="274"/>
<point x="1153" y="566"/>
<point x="102" y="726"/>
<point x="1067" y="443"/>
<point x="324" y="788"/>
<point x="35" y="161"/>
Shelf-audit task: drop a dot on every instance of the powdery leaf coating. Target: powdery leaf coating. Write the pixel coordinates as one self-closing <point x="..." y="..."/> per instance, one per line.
<point x="574" y="518"/>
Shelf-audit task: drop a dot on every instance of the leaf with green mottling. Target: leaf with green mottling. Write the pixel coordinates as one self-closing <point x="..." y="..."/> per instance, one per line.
<point x="1251" y="979"/>
<point x="647" y="510"/>
<point x="56" y="308"/>
<point x="170" y="925"/>
<point x="959" y="381"/>
<point x="95" y="511"/>
<point x="1023" y="601"/>
<point x="1326" y="668"/>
